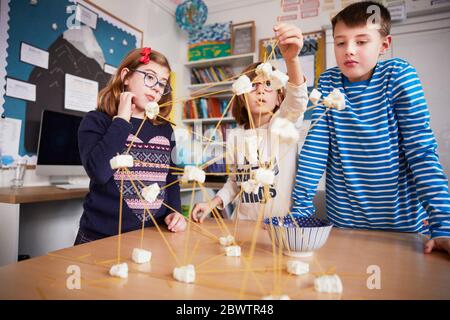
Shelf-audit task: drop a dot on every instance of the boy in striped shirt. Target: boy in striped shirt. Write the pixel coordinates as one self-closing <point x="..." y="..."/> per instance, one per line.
<point x="382" y="170"/>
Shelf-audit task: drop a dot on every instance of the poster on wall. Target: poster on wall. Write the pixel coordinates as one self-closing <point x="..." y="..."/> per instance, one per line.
<point x="43" y="41"/>
<point x="210" y="41"/>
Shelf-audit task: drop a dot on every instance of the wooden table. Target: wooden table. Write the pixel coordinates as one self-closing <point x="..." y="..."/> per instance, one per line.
<point x="406" y="273"/>
<point x="10" y="201"/>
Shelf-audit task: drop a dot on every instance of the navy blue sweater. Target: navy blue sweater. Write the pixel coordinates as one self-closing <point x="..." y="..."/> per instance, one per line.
<point x="100" y="139"/>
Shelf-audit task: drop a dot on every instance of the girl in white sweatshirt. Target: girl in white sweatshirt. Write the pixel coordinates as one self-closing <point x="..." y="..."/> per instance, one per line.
<point x="265" y="105"/>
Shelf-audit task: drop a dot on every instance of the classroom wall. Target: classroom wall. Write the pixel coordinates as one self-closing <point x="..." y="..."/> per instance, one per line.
<point x="53" y="225"/>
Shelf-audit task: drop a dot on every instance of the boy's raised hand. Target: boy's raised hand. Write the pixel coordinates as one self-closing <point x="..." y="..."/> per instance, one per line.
<point x="437" y="244"/>
<point x="290" y="40"/>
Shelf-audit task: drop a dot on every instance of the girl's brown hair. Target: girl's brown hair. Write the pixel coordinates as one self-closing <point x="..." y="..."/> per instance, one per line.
<point x="238" y="106"/>
<point x="109" y="96"/>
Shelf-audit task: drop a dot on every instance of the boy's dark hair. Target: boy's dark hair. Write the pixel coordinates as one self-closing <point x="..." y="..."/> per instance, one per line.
<point x="358" y="14"/>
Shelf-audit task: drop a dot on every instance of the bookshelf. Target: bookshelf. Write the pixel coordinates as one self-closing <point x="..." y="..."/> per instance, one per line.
<point x="203" y="114"/>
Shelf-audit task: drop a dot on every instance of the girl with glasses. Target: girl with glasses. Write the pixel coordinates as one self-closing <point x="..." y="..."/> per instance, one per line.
<point x="142" y="77"/>
<point x="265" y="104"/>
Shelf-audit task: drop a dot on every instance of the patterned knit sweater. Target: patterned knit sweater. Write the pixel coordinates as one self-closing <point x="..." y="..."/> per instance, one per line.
<point x="100" y="139"/>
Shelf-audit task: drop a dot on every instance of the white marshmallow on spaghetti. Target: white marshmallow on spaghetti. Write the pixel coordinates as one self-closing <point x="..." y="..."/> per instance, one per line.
<point x="141" y="255"/>
<point x="226" y="241"/>
<point x="152" y="110"/>
<point x="151" y="192"/>
<point x="250" y="186"/>
<point x="278" y="79"/>
<point x="264" y="176"/>
<point x="242" y="85"/>
<point x="184" y="273"/>
<point x="121" y="161"/>
<point x="119" y="270"/>
<point x="192" y="173"/>
<point x="285" y="130"/>
<point x="328" y="284"/>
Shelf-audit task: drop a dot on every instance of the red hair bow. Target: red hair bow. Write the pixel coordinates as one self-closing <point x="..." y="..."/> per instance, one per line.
<point x="145" y="53"/>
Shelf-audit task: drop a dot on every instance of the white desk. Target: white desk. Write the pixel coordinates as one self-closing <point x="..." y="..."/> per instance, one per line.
<point x="10" y="202"/>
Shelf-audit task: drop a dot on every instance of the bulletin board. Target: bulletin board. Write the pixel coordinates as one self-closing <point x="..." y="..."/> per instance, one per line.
<point x="312" y="56"/>
<point x="210" y="41"/>
<point x="44" y="44"/>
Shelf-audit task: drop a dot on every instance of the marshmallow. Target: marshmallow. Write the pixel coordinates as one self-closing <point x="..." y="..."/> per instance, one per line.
<point x="119" y="270"/>
<point x="335" y="100"/>
<point x="285" y="129"/>
<point x="192" y="173"/>
<point x="151" y="192"/>
<point x="121" y="161"/>
<point x="152" y="110"/>
<point x="184" y="274"/>
<point x="233" y="251"/>
<point x="264" y="176"/>
<point x="264" y="70"/>
<point x="282" y="297"/>
<point x="278" y="79"/>
<point x="338" y="99"/>
<point x="251" y="186"/>
<point x="297" y="267"/>
<point x="242" y="85"/>
<point x="314" y="96"/>
<point x="251" y="148"/>
<point x="141" y="255"/>
<point x="226" y="241"/>
<point x="328" y="284"/>
<point x="328" y="102"/>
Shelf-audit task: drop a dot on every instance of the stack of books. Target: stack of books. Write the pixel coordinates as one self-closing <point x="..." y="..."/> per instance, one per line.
<point x="211" y="74"/>
<point x="204" y="108"/>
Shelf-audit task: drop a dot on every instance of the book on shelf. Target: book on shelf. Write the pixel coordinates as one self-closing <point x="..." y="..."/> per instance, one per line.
<point x="204" y="108"/>
<point x="211" y="74"/>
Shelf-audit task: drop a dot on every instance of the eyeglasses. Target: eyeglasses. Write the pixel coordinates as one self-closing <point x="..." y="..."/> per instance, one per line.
<point x="151" y="80"/>
<point x="267" y="85"/>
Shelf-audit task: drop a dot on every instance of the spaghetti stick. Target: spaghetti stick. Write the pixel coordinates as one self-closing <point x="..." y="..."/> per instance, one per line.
<point x="212" y="161"/>
<point x="220" y="121"/>
<point x="189" y="225"/>
<point x="143" y="218"/>
<point x="169" y="121"/>
<point x="321" y="116"/>
<point x="252" y="248"/>
<point x="250" y="117"/>
<point x="214" y="237"/>
<point x="236" y="270"/>
<point x="119" y="238"/>
<point x="194" y="93"/>
<point x="136" y="134"/>
<point x="170" y="184"/>
<point x="194" y="251"/>
<point x="157" y="226"/>
<point x="209" y="260"/>
<point x="227" y="232"/>
<point x="222" y="230"/>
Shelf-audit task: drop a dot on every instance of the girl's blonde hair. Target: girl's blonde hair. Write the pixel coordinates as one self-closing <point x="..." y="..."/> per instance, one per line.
<point x="238" y="106"/>
<point x="109" y="96"/>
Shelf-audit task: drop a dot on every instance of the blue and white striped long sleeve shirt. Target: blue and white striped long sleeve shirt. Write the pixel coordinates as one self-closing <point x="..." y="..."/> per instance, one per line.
<point x="382" y="170"/>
